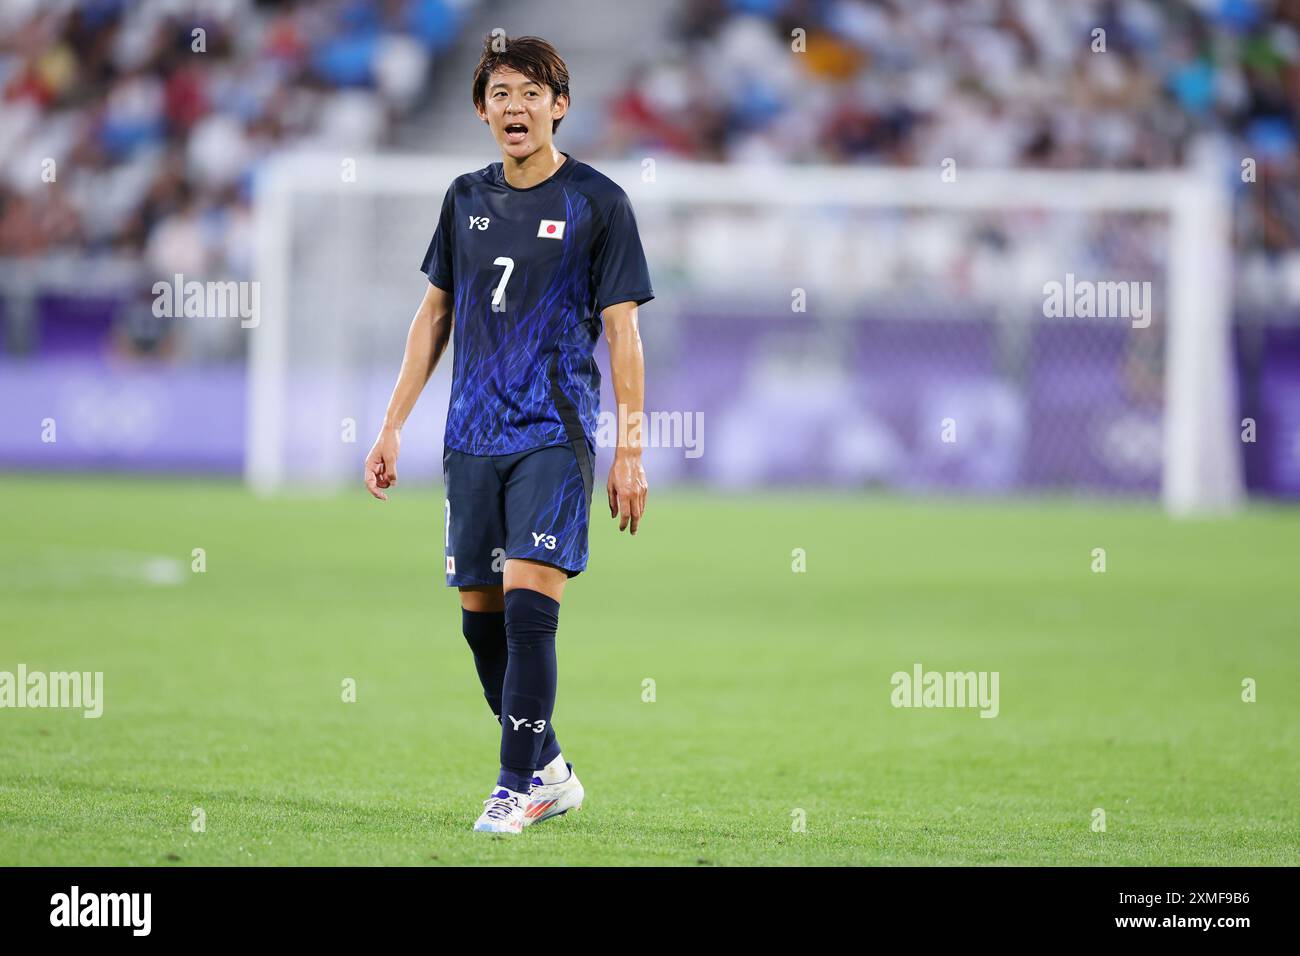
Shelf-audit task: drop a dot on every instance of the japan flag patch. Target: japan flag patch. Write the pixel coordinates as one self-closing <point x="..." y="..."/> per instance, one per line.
<point x="551" y="229"/>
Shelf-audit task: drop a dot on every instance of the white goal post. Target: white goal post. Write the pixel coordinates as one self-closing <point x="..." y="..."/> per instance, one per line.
<point x="1201" y="453"/>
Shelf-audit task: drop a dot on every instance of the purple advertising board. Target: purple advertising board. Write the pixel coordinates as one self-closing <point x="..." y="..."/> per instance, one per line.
<point x="929" y="404"/>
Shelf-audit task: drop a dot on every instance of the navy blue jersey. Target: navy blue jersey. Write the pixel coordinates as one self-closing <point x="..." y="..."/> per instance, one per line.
<point x="529" y="271"/>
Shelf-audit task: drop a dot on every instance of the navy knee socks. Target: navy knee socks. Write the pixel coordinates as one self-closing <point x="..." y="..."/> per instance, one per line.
<point x="528" y="691"/>
<point x="535" y="618"/>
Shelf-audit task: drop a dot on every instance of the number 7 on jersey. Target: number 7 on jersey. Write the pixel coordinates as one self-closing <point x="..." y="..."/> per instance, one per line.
<point x="499" y="292"/>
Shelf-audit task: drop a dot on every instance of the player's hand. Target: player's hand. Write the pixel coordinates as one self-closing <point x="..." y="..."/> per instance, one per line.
<point x="381" y="463"/>
<point x="627" y="491"/>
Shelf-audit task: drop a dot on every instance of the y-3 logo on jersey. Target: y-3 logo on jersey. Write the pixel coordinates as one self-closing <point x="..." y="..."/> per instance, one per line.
<point x="546" y="541"/>
<point x="479" y="222"/>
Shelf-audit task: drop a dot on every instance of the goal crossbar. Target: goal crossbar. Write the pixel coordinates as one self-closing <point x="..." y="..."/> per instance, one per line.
<point x="1201" y="469"/>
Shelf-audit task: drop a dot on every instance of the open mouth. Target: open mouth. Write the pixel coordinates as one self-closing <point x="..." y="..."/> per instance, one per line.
<point x="515" y="133"/>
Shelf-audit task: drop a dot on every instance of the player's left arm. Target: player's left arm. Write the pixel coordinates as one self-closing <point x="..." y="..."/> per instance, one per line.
<point x="627" y="485"/>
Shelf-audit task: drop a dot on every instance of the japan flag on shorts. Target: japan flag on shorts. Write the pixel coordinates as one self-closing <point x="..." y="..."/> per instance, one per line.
<point x="551" y="229"/>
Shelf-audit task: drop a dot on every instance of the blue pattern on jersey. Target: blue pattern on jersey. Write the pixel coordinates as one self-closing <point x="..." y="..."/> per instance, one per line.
<point x="501" y="399"/>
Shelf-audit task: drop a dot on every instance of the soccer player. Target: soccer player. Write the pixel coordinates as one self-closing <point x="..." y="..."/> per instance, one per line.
<point x="530" y="257"/>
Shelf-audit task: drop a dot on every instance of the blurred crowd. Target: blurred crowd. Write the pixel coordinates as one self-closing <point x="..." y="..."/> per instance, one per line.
<point x="151" y="116"/>
<point x="995" y="83"/>
<point x="135" y="126"/>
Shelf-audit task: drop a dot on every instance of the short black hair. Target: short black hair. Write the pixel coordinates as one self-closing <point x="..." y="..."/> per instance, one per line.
<point x="531" y="56"/>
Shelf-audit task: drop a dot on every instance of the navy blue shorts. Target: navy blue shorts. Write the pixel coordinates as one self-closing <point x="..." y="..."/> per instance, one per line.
<point x="533" y="504"/>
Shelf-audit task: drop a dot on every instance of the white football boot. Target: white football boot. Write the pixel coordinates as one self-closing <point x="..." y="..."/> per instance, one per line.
<point x="546" y="800"/>
<point x="503" y="812"/>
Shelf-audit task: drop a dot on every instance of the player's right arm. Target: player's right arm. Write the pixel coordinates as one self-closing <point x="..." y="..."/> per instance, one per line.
<point x="425" y="342"/>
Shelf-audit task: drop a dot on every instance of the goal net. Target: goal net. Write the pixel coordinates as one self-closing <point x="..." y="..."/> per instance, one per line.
<point x="947" y="331"/>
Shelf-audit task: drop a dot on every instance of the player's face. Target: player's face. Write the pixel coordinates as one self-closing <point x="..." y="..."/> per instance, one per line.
<point x="520" y="112"/>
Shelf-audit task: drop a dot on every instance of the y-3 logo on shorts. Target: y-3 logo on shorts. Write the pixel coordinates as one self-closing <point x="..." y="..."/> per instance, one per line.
<point x="536" y="726"/>
<point x="546" y="541"/>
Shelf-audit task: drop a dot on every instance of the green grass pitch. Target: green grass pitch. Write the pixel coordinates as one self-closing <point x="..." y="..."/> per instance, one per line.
<point x="223" y="690"/>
